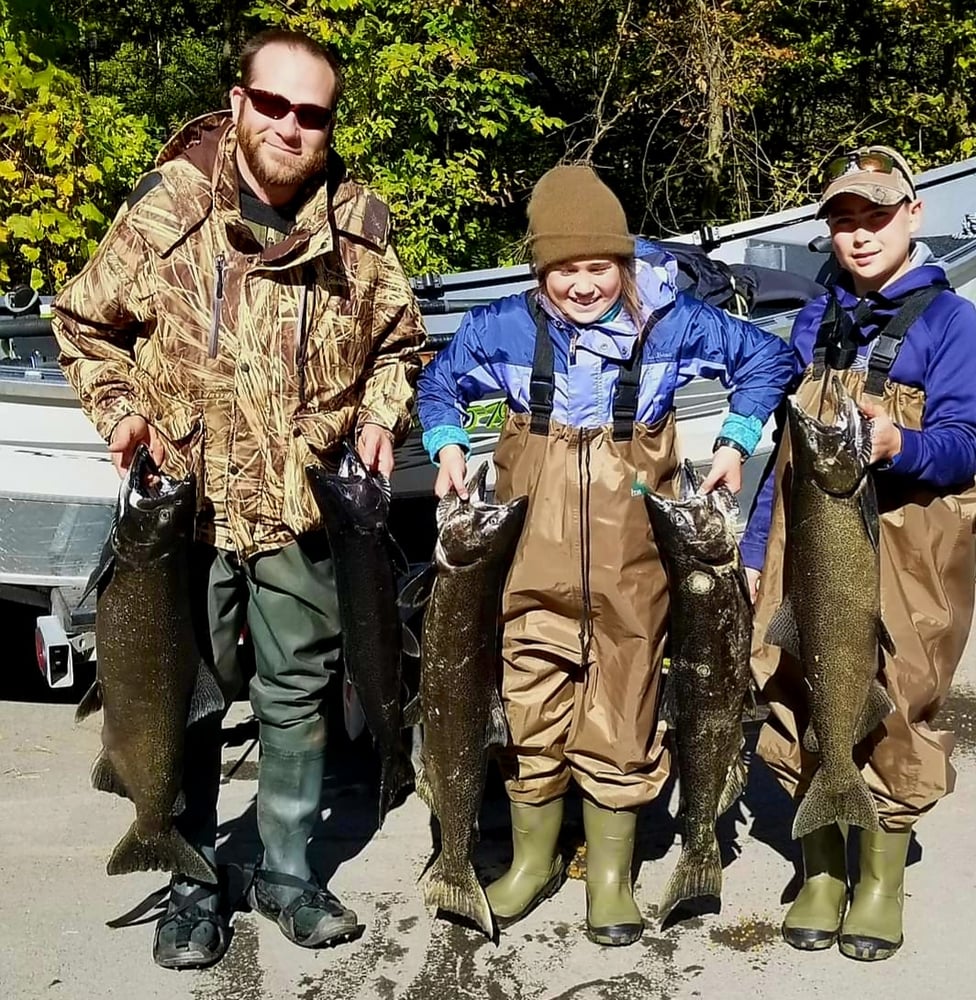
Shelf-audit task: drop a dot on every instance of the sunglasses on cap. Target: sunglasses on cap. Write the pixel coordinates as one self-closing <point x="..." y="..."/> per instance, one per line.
<point x="310" y="116"/>
<point x="873" y="162"/>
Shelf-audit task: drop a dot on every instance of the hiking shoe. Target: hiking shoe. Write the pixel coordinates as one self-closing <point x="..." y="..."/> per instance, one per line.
<point x="306" y="913"/>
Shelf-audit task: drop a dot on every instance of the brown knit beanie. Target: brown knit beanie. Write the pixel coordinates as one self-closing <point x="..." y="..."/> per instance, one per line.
<point x="573" y="215"/>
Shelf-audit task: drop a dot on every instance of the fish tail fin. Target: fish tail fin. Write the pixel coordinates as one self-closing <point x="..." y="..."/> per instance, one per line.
<point x="460" y="893"/>
<point x="396" y="775"/>
<point x="166" y="851"/>
<point x="698" y="873"/>
<point x="853" y="805"/>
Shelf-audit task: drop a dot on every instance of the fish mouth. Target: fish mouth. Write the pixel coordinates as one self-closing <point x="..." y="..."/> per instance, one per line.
<point x="146" y="486"/>
<point x="849" y="433"/>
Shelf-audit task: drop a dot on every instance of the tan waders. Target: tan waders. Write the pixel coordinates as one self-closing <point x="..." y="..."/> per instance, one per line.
<point x="928" y="563"/>
<point x="813" y="921"/>
<point x="612" y="916"/>
<point x="872" y="928"/>
<point x="585" y="615"/>
<point x="537" y="866"/>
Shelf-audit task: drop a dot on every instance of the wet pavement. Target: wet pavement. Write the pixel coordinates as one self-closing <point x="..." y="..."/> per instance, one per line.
<point x="55" y="898"/>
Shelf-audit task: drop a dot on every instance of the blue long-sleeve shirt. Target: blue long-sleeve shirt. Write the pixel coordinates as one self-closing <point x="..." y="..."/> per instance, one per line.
<point x="938" y="356"/>
<point x="493" y="348"/>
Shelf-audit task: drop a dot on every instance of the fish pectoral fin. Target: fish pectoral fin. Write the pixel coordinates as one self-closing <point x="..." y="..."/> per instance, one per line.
<point x="396" y="553"/>
<point x="877" y="708"/>
<point x="810" y="741"/>
<point x="102" y="573"/>
<point x="735" y="784"/>
<point x="415" y="593"/>
<point x="90" y="704"/>
<point x="206" y="698"/>
<point x="868" y="506"/>
<point x="413" y="713"/>
<point x="105" y="778"/>
<point x="783" y="630"/>
<point x="497" y="723"/>
<point x="409" y="642"/>
<point x="884" y="639"/>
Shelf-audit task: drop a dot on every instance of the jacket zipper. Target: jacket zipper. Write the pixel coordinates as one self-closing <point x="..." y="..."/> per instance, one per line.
<point x="220" y="265"/>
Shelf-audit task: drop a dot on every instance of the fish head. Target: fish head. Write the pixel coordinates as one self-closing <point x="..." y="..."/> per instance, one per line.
<point x="352" y="496"/>
<point x="834" y="452"/>
<point x="155" y="511"/>
<point x="472" y="530"/>
<point x="700" y="525"/>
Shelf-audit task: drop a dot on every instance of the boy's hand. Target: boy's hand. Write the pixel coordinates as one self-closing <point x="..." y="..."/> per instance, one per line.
<point x="885" y="435"/>
<point x="726" y="469"/>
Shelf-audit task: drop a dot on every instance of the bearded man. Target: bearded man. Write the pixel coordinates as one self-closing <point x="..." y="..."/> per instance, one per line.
<point x="245" y="312"/>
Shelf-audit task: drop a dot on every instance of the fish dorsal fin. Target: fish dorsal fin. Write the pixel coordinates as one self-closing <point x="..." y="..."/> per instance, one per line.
<point x="207" y="698"/>
<point x="735" y="783"/>
<point x="497" y="734"/>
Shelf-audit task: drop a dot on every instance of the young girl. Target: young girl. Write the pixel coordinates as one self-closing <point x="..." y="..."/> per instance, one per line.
<point x="589" y="362"/>
<point x="904" y="343"/>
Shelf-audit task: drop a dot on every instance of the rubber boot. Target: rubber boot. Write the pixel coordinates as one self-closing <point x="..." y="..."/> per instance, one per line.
<point x="612" y="917"/>
<point x="193" y="932"/>
<point x="289" y="796"/>
<point x="872" y="929"/>
<point x="812" y="923"/>
<point x="536" y="871"/>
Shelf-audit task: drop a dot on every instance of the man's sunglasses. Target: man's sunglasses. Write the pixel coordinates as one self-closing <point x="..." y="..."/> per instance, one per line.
<point x="851" y="163"/>
<point x="310" y="116"/>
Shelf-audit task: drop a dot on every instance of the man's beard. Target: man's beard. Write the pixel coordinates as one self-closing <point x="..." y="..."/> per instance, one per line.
<point x="271" y="172"/>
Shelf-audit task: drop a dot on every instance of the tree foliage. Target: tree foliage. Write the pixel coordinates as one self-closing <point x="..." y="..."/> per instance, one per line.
<point x="694" y="111"/>
<point x="67" y="159"/>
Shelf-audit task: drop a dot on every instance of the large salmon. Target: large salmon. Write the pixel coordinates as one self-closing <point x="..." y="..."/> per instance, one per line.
<point x="355" y="506"/>
<point x="151" y="681"/>
<point x="710" y="637"/>
<point x="462" y="710"/>
<point x="830" y="618"/>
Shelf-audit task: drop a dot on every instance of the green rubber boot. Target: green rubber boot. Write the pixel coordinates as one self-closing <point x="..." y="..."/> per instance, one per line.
<point x="813" y="921"/>
<point x="536" y="871"/>
<point x="289" y="793"/>
<point x="872" y="929"/>
<point x="612" y="917"/>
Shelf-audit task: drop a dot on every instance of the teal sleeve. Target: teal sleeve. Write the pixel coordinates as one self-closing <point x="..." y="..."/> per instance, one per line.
<point x="444" y="434"/>
<point x="744" y="431"/>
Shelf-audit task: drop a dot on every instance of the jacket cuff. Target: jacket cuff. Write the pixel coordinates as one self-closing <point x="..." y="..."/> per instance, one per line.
<point x="108" y="417"/>
<point x="438" y="437"/>
<point x="753" y="554"/>
<point x="906" y="461"/>
<point x="744" y="431"/>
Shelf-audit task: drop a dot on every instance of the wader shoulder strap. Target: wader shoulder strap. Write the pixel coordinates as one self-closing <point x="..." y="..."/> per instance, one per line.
<point x="542" y="382"/>
<point x="836" y="345"/>
<point x="885" y="348"/>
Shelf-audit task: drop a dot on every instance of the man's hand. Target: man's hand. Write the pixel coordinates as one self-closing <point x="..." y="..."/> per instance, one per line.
<point x="753" y="578"/>
<point x="129" y="433"/>
<point x="452" y="472"/>
<point x="885" y="435"/>
<point x="726" y="469"/>
<point x="375" y="446"/>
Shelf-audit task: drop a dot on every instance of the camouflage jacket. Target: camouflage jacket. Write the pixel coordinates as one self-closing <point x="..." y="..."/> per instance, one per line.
<point x="251" y="361"/>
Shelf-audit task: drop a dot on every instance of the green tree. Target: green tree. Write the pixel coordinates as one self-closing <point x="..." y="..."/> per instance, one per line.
<point x="67" y="159"/>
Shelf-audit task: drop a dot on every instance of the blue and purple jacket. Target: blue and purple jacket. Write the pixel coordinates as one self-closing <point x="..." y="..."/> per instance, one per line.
<point x="938" y="356"/>
<point x="492" y="352"/>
